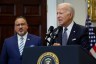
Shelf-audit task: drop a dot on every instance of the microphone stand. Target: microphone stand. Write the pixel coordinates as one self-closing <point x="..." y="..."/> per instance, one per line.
<point x="53" y="36"/>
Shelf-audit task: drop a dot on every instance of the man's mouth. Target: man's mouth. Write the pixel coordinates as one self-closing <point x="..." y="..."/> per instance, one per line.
<point x="20" y="30"/>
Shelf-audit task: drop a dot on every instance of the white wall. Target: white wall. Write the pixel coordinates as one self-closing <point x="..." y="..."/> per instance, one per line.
<point x="80" y="10"/>
<point x="51" y="13"/>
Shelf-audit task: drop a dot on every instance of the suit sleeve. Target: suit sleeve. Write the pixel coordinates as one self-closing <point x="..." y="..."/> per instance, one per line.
<point x="39" y="41"/>
<point x="4" y="55"/>
<point x="85" y="39"/>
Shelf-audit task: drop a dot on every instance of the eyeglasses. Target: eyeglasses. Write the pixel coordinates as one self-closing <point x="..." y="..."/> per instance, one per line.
<point x="21" y="24"/>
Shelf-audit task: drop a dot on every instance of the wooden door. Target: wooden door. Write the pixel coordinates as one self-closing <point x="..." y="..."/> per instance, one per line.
<point x="33" y="10"/>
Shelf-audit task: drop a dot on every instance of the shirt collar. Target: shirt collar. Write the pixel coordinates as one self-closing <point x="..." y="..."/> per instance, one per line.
<point x="25" y="36"/>
<point x="69" y="27"/>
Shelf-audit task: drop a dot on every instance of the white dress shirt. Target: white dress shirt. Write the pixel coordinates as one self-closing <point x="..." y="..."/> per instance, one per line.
<point x="68" y="29"/>
<point x="24" y="39"/>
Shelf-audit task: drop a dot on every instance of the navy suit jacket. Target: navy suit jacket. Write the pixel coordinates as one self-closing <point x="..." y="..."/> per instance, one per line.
<point x="78" y="36"/>
<point x="10" y="51"/>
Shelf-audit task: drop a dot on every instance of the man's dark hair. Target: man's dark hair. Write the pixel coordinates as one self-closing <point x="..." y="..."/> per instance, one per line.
<point x="21" y="17"/>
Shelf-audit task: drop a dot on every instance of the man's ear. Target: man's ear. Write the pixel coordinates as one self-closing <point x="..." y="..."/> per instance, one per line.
<point x="70" y="15"/>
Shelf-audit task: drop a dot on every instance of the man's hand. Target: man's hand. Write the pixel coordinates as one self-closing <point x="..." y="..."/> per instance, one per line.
<point x="56" y="44"/>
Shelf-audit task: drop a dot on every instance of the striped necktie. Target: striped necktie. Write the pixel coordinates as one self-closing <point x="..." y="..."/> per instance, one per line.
<point x="64" y="37"/>
<point x="21" y="46"/>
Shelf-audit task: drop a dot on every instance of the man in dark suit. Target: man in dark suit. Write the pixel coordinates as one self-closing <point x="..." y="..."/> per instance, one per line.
<point x="76" y="34"/>
<point x="12" y="50"/>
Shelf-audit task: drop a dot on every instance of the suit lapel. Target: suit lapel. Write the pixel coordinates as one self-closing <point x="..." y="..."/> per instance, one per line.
<point x="16" y="45"/>
<point x="72" y="36"/>
<point x="29" y="41"/>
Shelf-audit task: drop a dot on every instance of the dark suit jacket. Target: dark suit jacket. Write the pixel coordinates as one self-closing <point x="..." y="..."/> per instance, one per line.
<point x="10" y="52"/>
<point x="78" y="36"/>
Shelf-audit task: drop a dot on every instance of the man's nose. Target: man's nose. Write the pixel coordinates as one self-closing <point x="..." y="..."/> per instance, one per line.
<point x="20" y="26"/>
<point x="58" y="15"/>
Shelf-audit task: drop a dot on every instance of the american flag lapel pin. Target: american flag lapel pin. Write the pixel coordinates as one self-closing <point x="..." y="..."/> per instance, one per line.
<point x="28" y="39"/>
<point x="74" y="31"/>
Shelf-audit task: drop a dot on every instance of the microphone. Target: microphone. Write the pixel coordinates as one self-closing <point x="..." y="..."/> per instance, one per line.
<point x="50" y="30"/>
<point x="54" y="35"/>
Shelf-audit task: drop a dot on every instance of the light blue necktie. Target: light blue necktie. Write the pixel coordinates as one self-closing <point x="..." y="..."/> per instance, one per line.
<point x="21" y="47"/>
<point x="64" y="37"/>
